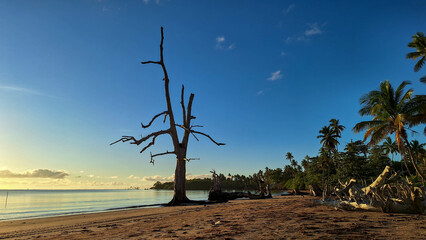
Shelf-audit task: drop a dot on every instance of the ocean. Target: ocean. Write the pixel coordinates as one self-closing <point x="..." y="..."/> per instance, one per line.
<point x="23" y="204"/>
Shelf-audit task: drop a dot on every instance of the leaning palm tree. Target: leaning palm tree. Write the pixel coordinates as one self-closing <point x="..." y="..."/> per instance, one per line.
<point x="391" y="110"/>
<point x="418" y="43"/>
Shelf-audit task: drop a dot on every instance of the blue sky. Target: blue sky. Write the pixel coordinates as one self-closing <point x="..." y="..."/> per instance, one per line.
<point x="267" y="75"/>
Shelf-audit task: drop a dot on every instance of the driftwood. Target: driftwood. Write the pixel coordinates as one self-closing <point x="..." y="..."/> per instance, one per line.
<point x="388" y="193"/>
<point x="314" y="190"/>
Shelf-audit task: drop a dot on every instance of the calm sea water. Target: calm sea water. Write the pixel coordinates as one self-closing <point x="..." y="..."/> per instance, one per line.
<point x="42" y="203"/>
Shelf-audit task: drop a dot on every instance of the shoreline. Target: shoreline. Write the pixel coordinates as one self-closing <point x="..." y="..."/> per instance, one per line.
<point x="279" y="217"/>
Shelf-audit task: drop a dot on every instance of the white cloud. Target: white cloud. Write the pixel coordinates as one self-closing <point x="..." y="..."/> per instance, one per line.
<point x="91" y="176"/>
<point x="275" y="76"/>
<point x="221" y="44"/>
<point x="158" y="178"/>
<point x="114" y="177"/>
<point x="260" y="92"/>
<point x="202" y="176"/>
<point x="289" y="8"/>
<point x="38" y="173"/>
<point x="220" y="39"/>
<point x="282" y="53"/>
<point x="313" y="29"/>
<point x="133" y="177"/>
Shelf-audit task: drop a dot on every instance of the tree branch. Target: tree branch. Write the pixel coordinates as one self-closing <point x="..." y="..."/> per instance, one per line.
<point x="189" y="109"/>
<point x="159" y="154"/>
<point x="183" y="105"/>
<point x="138" y="142"/>
<point x="152" y="120"/>
<point x="187" y="131"/>
<point x="124" y="139"/>
<point x="211" y="139"/>
<point x="154" y="62"/>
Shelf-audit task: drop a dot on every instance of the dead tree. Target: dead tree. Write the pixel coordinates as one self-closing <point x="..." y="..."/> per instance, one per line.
<point x="179" y="146"/>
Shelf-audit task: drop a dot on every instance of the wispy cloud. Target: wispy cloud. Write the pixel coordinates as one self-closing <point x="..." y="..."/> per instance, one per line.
<point x="38" y="173"/>
<point x="313" y="29"/>
<point x="133" y="177"/>
<point x="221" y="43"/>
<point x="23" y="90"/>
<point x="260" y="92"/>
<point x="282" y="53"/>
<point x="114" y="177"/>
<point x="289" y="8"/>
<point x="275" y="76"/>
<point x="220" y="39"/>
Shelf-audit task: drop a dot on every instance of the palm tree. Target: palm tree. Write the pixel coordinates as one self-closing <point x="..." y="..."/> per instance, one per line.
<point x="289" y="156"/>
<point x="329" y="143"/>
<point x="419" y="43"/>
<point x="390" y="147"/>
<point x="336" y="128"/>
<point x="418" y="150"/>
<point x="328" y="138"/>
<point x="391" y="110"/>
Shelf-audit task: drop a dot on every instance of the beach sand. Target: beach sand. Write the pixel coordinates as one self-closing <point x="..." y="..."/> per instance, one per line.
<point x="284" y="217"/>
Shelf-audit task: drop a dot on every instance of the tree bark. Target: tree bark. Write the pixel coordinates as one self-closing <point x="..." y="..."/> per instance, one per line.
<point x="179" y="182"/>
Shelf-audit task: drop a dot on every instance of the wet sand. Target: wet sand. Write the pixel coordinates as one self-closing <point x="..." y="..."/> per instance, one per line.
<point x="286" y="217"/>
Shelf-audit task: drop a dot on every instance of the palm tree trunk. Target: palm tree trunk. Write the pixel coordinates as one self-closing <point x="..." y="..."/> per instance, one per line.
<point x="414" y="161"/>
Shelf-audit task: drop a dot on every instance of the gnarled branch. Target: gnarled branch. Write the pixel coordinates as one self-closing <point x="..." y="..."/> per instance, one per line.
<point x="137" y="142"/>
<point x="124" y="139"/>
<point x="152" y="120"/>
<point x="159" y="154"/>
<point x="206" y="135"/>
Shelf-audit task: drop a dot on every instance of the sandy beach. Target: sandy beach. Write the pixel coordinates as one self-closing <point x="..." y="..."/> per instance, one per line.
<point x="289" y="217"/>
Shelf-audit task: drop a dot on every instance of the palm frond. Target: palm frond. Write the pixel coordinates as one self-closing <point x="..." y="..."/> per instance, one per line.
<point x="413" y="55"/>
<point x="419" y="64"/>
<point x="361" y="126"/>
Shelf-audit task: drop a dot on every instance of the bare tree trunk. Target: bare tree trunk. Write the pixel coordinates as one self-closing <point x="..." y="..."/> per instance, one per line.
<point x="179" y="183"/>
